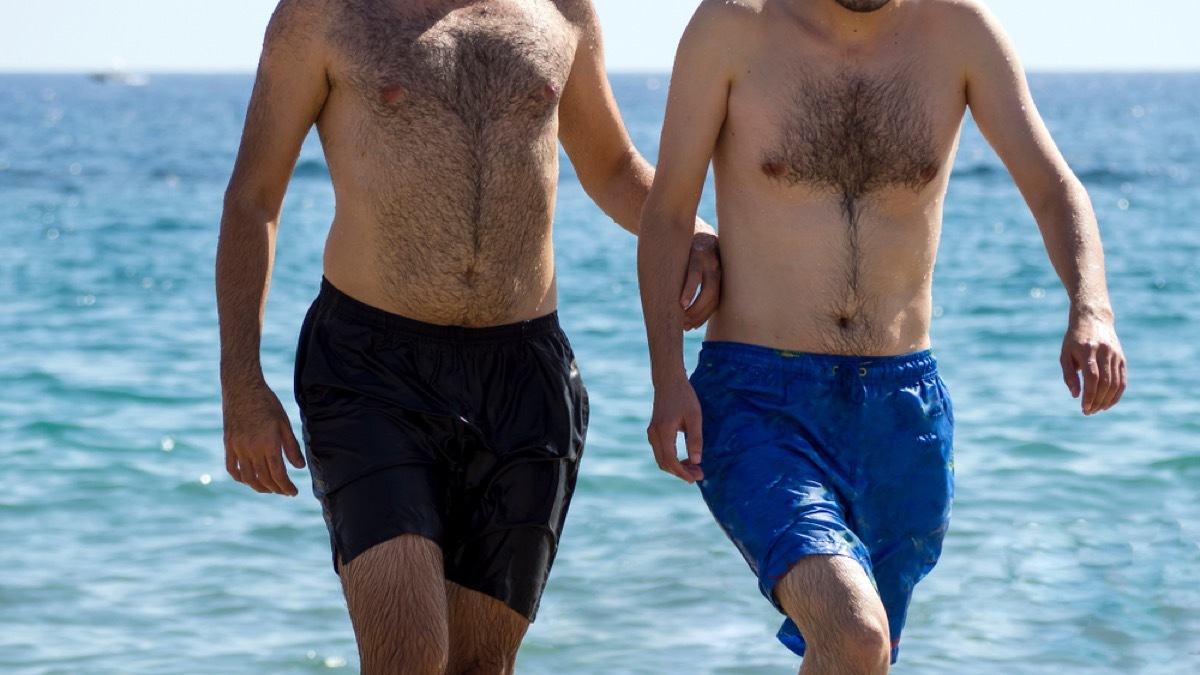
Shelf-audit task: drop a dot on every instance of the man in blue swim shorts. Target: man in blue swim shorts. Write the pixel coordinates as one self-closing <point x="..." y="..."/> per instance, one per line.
<point x="815" y="422"/>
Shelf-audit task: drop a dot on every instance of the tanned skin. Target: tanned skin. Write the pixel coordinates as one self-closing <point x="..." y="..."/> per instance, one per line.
<point x="831" y="127"/>
<point x="440" y="122"/>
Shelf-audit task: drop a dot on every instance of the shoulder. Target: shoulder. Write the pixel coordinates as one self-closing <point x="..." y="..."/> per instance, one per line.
<point x="729" y="15"/>
<point x="722" y="26"/>
<point x="966" y="22"/>
<point x="298" y="22"/>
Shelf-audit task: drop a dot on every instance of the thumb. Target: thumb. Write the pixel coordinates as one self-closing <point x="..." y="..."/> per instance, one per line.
<point x="695" y="437"/>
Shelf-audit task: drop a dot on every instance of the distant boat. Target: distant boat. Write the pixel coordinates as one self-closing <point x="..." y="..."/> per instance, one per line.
<point x="120" y="77"/>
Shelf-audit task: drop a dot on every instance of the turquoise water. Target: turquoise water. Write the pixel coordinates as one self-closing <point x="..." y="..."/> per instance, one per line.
<point x="124" y="547"/>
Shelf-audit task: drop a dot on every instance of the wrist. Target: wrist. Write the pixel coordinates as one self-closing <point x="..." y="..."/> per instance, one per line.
<point x="1092" y="311"/>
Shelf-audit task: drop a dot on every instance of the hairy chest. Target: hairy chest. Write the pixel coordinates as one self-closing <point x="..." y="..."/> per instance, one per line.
<point x="482" y="63"/>
<point x="849" y="132"/>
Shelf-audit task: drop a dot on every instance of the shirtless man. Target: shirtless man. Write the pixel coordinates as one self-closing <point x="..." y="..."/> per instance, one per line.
<point x="444" y="417"/>
<point x="826" y="432"/>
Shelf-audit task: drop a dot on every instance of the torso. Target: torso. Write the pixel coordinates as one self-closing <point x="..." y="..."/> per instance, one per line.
<point x="830" y="173"/>
<point x="440" y="131"/>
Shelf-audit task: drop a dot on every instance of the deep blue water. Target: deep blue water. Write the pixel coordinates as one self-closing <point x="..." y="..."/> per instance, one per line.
<point x="124" y="548"/>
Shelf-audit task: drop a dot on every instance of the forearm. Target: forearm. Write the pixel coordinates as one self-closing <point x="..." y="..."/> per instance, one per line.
<point x="662" y="258"/>
<point x="623" y="194"/>
<point x="1072" y="238"/>
<point x="245" y="252"/>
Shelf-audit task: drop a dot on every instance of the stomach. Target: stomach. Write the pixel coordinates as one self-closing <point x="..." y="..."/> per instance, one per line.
<point x="797" y="276"/>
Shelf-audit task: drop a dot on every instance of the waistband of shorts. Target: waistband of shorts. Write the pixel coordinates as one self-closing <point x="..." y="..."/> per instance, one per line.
<point x="898" y="369"/>
<point x="343" y="306"/>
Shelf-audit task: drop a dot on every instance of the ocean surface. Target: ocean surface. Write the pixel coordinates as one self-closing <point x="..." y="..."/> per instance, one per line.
<point x="125" y="548"/>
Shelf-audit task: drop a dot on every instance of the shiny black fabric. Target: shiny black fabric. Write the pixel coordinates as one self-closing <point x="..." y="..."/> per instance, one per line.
<point x="470" y="437"/>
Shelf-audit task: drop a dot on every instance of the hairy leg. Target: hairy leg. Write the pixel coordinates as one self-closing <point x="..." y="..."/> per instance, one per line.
<point x="397" y="598"/>
<point x="840" y="615"/>
<point x="484" y="633"/>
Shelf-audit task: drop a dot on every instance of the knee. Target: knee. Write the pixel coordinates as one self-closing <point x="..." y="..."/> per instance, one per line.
<point x="493" y="665"/>
<point x="405" y="659"/>
<point x="861" y="646"/>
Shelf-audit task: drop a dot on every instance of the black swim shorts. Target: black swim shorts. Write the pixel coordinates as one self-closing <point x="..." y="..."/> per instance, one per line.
<point x="470" y="437"/>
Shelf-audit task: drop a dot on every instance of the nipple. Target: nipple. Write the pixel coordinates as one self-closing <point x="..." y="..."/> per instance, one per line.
<point x="774" y="169"/>
<point x="550" y="91"/>
<point x="391" y="93"/>
<point x="929" y="173"/>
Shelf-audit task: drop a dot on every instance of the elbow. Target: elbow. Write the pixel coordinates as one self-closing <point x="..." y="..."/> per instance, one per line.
<point x="1064" y="199"/>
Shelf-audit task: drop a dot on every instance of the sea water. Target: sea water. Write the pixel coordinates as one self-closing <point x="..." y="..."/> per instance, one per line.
<point x="125" y="548"/>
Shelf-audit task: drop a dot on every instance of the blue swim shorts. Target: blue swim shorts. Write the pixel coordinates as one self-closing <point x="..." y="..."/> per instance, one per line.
<point x="813" y="454"/>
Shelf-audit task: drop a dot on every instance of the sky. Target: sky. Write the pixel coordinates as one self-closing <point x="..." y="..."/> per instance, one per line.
<point x="640" y="35"/>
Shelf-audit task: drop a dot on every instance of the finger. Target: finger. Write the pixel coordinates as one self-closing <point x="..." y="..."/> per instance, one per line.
<point x="252" y="477"/>
<point x="1121" y="380"/>
<point x="690" y="283"/>
<point x="1070" y="373"/>
<point x="694" y="436"/>
<point x="1110" y="371"/>
<point x="291" y="447"/>
<point x="1091" y="381"/>
<point x="262" y="471"/>
<point x="231" y="465"/>
<point x="1100" y="390"/>
<point x="279" y="476"/>
<point x="702" y="307"/>
<point x="1113" y="367"/>
<point x="663" y="440"/>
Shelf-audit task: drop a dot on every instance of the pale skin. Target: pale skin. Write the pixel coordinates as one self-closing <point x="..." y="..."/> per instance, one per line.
<point x="831" y="128"/>
<point x="440" y="121"/>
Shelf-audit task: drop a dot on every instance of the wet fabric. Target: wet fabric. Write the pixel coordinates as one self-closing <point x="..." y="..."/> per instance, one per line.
<point x="811" y="454"/>
<point x="470" y="437"/>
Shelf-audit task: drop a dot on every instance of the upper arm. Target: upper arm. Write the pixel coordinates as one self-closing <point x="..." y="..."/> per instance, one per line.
<point x="289" y="92"/>
<point x="696" y="107"/>
<point x="1003" y="109"/>
<point x="590" y="125"/>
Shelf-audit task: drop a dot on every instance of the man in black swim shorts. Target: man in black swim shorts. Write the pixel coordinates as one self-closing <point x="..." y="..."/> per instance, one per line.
<point x="443" y="412"/>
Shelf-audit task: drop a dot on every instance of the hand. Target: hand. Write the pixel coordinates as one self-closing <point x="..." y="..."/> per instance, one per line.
<point x="256" y="428"/>
<point x="704" y="273"/>
<point x="1091" y="348"/>
<point x="676" y="409"/>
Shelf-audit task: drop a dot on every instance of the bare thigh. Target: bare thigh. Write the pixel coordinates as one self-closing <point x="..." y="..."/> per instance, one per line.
<point x="397" y="598"/>
<point x="484" y="633"/>
<point x="834" y="604"/>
